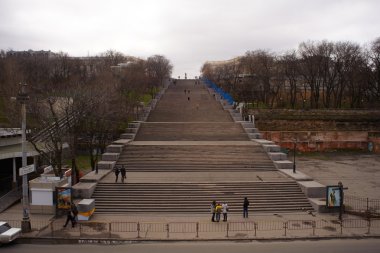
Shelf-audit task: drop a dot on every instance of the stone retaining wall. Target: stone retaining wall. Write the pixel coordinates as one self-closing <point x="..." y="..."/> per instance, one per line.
<point x="309" y="141"/>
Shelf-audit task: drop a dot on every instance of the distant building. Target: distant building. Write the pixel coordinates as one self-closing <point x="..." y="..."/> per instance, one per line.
<point x="31" y="53"/>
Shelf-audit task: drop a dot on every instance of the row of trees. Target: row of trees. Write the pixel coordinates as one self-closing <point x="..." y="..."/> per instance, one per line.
<point x="82" y="101"/>
<point x="319" y="74"/>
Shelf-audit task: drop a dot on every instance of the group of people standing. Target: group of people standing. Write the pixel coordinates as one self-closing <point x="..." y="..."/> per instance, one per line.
<point x="218" y="208"/>
<point x="121" y="171"/>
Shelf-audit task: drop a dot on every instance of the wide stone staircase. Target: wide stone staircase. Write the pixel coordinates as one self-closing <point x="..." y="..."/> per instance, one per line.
<point x="191" y="131"/>
<point x="271" y="197"/>
<point x="195" y="158"/>
<point x="190" y="152"/>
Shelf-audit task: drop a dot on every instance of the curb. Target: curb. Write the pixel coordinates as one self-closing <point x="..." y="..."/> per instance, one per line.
<point x="107" y="241"/>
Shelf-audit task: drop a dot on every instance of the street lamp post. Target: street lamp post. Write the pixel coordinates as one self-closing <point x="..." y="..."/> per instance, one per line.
<point x="294" y="155"/>
<point x="23" y="98"/>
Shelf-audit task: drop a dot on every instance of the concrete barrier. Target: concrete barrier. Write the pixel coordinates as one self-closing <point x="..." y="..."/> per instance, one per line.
<point x="298" y="176"/>
<point x="134" y="125"/>
<point x="93" y="176"/>
<point x="246" y="124"/>
<point x="114" y="148"/>
<point x="272" y="148"/>
<point x="106" y="165"/>
<point x="255" y="136"/>
<point x="84" y="190"/>
<point x="263" y="142"/>
<point x="281" y="165"/>
<point x="251" y="130"/>
<point x="122" y="142"/>
<point x="312" y="189"/>
<point x="277" y="156"/>
<point x="110" y="156"/>
<point x="127" y="136"/>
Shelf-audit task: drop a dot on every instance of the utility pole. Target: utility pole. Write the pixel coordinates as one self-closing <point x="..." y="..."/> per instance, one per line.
<point x="23" y="97"/>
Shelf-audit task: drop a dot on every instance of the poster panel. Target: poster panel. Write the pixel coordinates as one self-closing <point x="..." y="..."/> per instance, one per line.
<point x="333" y="196"/>
<point x="64" y="197"/>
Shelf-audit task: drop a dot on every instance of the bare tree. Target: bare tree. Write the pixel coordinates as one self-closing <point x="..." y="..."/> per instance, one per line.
<point x="291" y="71"/>
<point x="159" y="68"/>
<point x="374" y="64"/>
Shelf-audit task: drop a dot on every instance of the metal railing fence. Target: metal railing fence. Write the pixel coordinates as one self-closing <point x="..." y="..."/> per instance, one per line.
<point x="230" y="229"/>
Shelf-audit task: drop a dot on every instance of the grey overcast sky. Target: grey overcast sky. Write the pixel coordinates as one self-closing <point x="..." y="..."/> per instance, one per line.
<point x="188" y="32"/>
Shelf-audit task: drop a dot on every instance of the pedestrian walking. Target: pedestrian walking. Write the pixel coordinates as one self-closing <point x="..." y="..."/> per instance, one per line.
<point x="212" y="209"/>
<point x="218" y="210"/>
<point x="72" y="214"/>
<point x="117" y="171"/>
<point x="225" y="211"/>
<point x="123" y="173"/>
<point x="188" y="98"/>
<point x="245" y="207"/>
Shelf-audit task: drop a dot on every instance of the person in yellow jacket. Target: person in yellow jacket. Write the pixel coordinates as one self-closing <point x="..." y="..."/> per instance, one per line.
<point x="218" y="210"/>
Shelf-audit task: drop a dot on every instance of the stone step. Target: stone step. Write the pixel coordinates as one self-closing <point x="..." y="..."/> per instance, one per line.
<point x="208" y="169"/>
<point x="122" y="142"/>
<point x="131" y="130"/>
<point x="277" y="156"/>
<point x="127" y="136"/>
<point x="247" y="124"/>
<point x="191" y="131"/>
<point x="264" y="142"/>
<point x="196" y="197"/>
<point x="255" y="136"/>
<point x="134" y="125"/>
<point x="271" y="148"/>
<point x="222" y="184"/>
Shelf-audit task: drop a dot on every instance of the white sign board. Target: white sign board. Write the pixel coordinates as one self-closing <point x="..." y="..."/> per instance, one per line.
<point x="26" y="170"/>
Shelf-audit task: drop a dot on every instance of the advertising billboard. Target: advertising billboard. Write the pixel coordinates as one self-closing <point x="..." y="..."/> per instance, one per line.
<point x="64" y="197"/>
<point x="333" y="196"/>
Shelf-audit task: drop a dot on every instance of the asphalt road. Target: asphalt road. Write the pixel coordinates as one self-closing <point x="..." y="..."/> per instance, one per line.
<point x="325" y="246"/>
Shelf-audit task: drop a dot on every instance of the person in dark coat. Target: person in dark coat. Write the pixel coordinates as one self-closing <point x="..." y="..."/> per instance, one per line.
<point x="245" y="207"/>
<point x="71" y="215"/>
<point x="122" y="172"/>
<point x="213" y="211"/>
<point x="117" y="171"/>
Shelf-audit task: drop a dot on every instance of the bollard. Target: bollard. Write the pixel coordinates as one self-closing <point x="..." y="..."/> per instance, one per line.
<point x="341" y="227"/>
<point x="313" y="225"/>
<point x="197" y="228"/>
<point x="109" y="229"/>
<point x="285" y="226"/>
<point x="369" y="225"/>
<point x="167" y="230"/>
<point x="52" y="229"/>
<point x="138" y="230"/>
<point x="228" y="226"/>
<point x="255" y="227"/>
<point x="80" y="230"/>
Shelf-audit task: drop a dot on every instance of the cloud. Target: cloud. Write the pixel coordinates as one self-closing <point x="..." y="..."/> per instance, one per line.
<point x="188" y="32"/>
